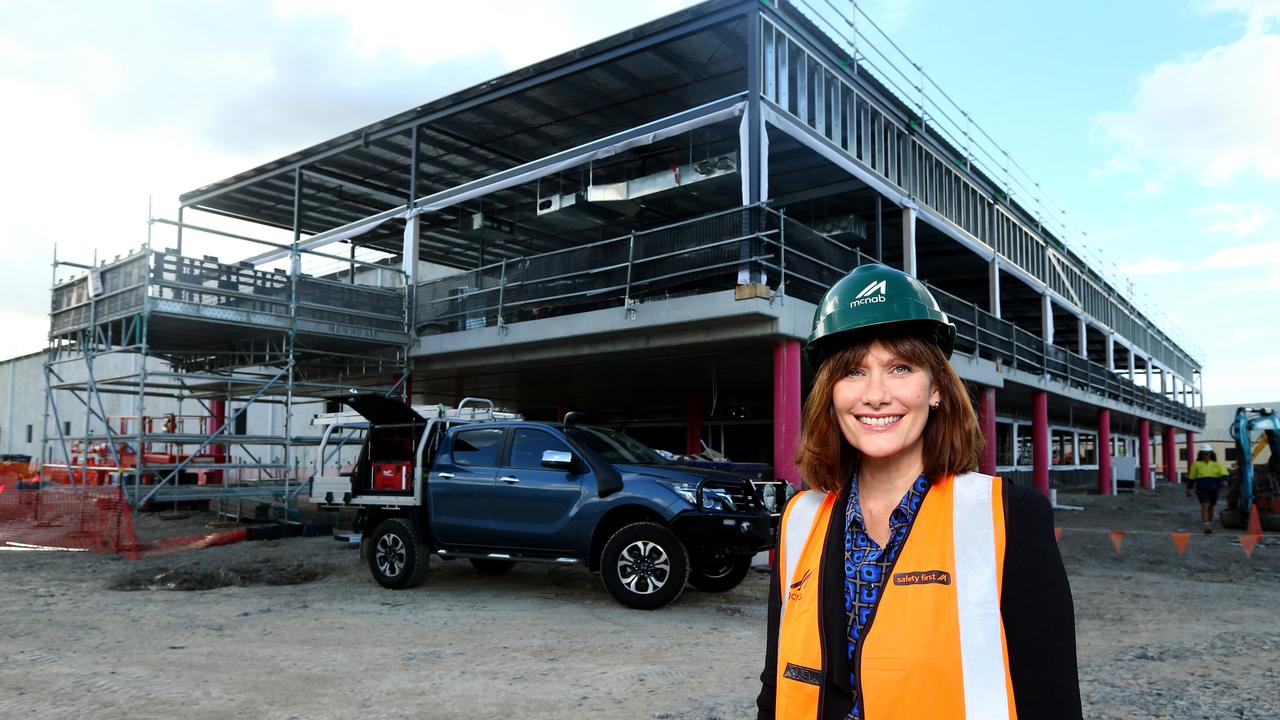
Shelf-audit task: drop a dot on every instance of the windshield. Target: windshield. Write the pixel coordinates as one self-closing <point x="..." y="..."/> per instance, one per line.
<point x="614" y="446"/>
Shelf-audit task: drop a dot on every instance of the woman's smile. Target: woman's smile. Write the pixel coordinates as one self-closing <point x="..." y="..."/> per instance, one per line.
<point x="878" y="421"/>
<point x="882" y="405"/>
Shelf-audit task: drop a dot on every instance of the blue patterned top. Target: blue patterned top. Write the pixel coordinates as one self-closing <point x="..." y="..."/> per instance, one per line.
<point x="866" y="565"/>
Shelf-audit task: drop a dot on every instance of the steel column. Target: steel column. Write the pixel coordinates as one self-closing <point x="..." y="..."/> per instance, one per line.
<point x="1144" y="454"/>
<point x="1046" y="320"/>
<point x="1191" y="450"/>
<point x="217" y="418"/>
<point x="1105" y="483"/>
<point x="755" y="125"/>
<point x="993" y="286"/>
<point x="786" y="409"/>
<point x="987" y="418"/>
<point x="879" y="228"/>
<point x="693" y="424"/>
<point x="1040" y="440"/>
<point x="909" y="241"/>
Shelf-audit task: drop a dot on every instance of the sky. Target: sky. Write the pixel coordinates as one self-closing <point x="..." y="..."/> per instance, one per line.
<point x="1151" y="123"/>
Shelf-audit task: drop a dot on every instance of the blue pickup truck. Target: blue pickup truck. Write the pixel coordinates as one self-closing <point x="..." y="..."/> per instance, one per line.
<point x="471" y="482"/>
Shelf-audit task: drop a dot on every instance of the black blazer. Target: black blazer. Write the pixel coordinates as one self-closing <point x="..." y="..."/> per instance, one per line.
<point x="1035" y="605"/>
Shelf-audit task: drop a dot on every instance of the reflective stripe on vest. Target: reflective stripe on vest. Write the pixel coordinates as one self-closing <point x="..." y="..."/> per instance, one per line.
<point x="935" y="646"/>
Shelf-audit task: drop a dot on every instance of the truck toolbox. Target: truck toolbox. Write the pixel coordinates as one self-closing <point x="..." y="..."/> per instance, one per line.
<point x="391" y="475"/>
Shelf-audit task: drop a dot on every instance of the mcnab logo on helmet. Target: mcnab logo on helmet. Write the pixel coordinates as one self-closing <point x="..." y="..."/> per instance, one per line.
<point x="873" y="293"/>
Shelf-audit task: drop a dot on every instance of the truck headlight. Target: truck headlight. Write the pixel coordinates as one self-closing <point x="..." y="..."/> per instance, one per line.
<point x="712" y="498"/>
<point x="770" y="494"/>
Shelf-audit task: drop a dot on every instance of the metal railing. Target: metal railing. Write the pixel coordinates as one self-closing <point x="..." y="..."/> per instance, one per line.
<point x="206" y="288"/>
<point x="873" y="52"/>
<point x="705" y="254"/>
<point x="981" y="334"/>
<point x="717" y="252"/>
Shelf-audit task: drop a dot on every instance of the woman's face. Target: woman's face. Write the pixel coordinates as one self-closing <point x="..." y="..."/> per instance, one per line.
<point x="883" y="404"/>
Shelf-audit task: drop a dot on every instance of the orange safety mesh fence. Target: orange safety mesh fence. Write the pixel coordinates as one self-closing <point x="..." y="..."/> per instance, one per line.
<point x="59" y="517"/>
<point x="38" y="516"/>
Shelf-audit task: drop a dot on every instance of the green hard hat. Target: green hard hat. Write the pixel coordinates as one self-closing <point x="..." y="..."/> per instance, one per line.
<point x="880" y="297"/>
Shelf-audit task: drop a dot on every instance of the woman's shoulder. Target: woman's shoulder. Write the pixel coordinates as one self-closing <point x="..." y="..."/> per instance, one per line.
<point x="1026" y="504"/>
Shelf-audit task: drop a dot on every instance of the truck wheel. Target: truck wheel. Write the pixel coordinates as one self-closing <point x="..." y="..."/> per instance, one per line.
<point x="644" y="566"/>
<point x="397" y="558"/>
<point x="719" y="574"/>
<point x="487" y="566"/>
<point x="1233" y="519"/>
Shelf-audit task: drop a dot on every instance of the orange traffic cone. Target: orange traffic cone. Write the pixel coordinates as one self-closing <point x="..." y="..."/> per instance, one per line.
<point x="1255" y="522"/>
<point x="1117" y="537"/>
<point x="1180" y="540"/>
<point x="1248" y="543"/>
<point x="1057" y="534"/>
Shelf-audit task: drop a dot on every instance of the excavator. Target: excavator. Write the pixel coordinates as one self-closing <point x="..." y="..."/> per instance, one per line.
<point x="1253" y="430"/>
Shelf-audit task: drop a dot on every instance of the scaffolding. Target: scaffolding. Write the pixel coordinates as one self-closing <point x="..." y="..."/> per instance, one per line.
<point x="191" y="345"/>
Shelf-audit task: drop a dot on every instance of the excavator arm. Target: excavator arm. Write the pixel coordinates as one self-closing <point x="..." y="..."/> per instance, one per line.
<point x="1263" y="423"/>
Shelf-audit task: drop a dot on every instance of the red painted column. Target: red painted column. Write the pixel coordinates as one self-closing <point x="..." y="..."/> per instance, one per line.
<point x="217" y="418"/>
<point x="1191" y="450"/>
<point x="786" y="409"/>
<point x="1104" y="451"/>
<point x="693" y="424"/>
<point x="1040" y="441"/>
<point x="987" y="418"/>
<point x="1144" y="454"/>
<point x="1170" y="455"/>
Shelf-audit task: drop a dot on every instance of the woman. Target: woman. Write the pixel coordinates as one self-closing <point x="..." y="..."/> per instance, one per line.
<point x="906" y="585"/>
<point x="1208" y="476"/>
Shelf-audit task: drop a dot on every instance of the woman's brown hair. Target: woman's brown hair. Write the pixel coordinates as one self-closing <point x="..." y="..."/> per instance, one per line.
<point x="952" y="438"/>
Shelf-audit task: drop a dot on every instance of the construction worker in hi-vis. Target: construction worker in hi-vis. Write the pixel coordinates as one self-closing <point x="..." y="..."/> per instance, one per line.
<point x="907" y="585"/>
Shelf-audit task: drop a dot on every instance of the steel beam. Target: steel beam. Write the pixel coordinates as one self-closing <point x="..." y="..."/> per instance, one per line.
<point x="680" y="30"/>
<point x="548" y="165"/>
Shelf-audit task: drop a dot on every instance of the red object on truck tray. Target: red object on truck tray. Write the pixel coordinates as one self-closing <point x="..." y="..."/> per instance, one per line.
<point x="391" y="475"/>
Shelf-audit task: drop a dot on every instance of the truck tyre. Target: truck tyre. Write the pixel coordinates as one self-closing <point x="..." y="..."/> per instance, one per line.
<point x="489" y="566"/>
<point x="397" y="558"/>
<point x="644" y="566"/>
<point x="719" y="574"/>
<point x="1233" y="519"/>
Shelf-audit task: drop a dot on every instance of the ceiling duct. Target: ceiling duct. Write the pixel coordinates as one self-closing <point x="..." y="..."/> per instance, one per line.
<point x="842" y="225"/>
<point x="677" y="176"/>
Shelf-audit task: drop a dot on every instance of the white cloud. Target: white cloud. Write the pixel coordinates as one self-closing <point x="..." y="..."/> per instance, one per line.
<point x="107" y="103"/>
<point x="1234" y="218"/>
<point x="1259" y="14"/>
<point x="1206" y="114"/>
<point x="1260" y="256"/>
<point x="1152" y="265"/>
<point x="1116" y="165"/>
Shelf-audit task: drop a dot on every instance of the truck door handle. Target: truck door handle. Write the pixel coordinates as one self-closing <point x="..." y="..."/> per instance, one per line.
<point x="509" y="479"/>
<point x="446" y="476"/>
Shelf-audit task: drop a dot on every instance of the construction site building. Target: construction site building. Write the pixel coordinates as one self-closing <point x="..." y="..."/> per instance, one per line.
<point x="638" y="229"/>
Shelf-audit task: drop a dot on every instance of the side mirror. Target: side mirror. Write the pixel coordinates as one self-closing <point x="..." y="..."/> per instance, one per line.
<point x="559" y="459"/>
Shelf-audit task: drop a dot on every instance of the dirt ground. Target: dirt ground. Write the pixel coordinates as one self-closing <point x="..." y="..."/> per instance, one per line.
<point x="296" y="629"/>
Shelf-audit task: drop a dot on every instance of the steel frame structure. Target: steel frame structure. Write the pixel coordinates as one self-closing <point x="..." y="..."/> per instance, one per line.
<point x="816" y="77"/>
<point x="453" y="182"/>
<point x="200" y="332"/>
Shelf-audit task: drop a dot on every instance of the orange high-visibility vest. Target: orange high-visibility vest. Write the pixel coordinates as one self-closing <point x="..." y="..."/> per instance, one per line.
<point x="935" y="646"/>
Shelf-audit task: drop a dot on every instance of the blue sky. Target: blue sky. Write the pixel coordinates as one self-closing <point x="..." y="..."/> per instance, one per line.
<point x="1152" y="123"/>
